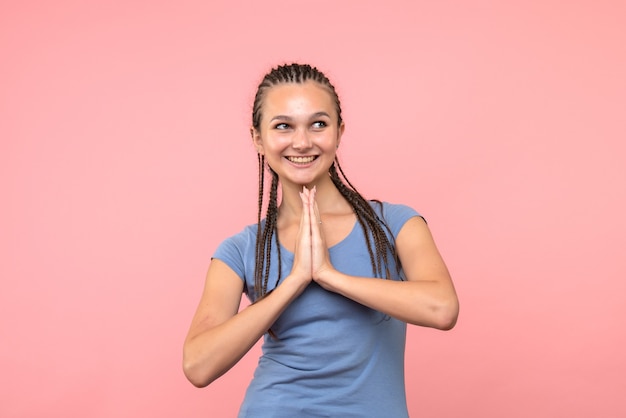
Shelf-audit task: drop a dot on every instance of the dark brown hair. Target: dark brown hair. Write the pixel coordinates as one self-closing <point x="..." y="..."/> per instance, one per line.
<point x="373" y="227"/>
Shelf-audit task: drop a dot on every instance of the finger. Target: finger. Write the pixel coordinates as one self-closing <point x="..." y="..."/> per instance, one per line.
<point x="317" y="233"/>
<point x="314" y="214"/>
<point x="319" y="252"/>
<point x="304" y="202"/>
<point x="307" y="194"/>
<point x="315" y="209"/>
<point x="305" y="221"/>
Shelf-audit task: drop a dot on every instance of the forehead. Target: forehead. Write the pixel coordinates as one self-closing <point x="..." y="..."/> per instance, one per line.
<point x="298" y="97"/>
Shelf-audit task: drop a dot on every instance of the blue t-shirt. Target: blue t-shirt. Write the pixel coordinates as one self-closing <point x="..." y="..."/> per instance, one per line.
<point x="332" y="357"/>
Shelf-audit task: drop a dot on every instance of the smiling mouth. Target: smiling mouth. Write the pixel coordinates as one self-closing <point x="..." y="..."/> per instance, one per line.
<point x="302" y="160"/>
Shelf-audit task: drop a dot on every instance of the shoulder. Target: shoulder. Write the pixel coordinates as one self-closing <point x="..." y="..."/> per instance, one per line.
<point x="394" y="215"/>
<point x="235" y="249"/>
<point x="241" y="240"/>
<point x="243" y="237"/>
<point x="392" y="209"/>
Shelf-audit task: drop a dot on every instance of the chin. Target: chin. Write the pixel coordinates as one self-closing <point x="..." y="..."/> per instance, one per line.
<point x="308" y="182"/>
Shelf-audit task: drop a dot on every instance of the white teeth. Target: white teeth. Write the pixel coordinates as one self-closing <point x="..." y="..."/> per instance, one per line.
<point x="301" y="160"/>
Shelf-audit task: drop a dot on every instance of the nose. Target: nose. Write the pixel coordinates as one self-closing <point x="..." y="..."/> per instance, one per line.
<point x="301" y="140"/>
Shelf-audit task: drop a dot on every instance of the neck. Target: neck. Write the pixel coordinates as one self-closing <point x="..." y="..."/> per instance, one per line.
<point x="328" y="199"/>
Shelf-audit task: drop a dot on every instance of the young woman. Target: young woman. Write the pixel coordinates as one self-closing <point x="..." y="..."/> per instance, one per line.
<point x="333" y="278"/>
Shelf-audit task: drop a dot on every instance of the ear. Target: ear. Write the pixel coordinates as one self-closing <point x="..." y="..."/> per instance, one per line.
<point x="342" y="128"/>
<point x="256" y="140"/>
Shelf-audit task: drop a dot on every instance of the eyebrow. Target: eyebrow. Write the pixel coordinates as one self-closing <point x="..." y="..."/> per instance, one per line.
<point x="289" y="118"/>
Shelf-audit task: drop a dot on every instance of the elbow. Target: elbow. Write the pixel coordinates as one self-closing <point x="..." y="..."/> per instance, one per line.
<point x="197" y="375"/>
<point x="446" y="315"/>
<point x="194" y="377"/>
<point x="446" y="323"/>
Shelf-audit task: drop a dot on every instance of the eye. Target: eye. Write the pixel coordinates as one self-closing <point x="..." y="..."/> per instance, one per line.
<point x="281" y="126"/>
<point x="319" y="124"/>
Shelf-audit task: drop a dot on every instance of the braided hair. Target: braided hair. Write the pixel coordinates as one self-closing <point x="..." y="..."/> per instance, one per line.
<point x="373" y="227"/>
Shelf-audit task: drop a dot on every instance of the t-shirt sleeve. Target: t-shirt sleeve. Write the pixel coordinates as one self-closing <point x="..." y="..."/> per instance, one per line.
<point x="396" y="215"/>
<point x="230" y="252"/>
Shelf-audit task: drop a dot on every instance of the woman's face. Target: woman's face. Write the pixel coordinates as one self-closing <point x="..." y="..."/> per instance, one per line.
<point x="298" y="134"/>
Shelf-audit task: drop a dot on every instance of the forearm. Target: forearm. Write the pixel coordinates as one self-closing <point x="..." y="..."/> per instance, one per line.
<point x="426" y="303"/>
<point x="213" y="351"/>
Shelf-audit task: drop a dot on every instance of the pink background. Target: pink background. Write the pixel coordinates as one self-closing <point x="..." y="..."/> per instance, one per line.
<point x="125" y="159"/>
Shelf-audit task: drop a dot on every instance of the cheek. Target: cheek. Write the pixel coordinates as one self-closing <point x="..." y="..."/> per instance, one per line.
<point x="330" y="142"/>
<point x="274" y="143"/>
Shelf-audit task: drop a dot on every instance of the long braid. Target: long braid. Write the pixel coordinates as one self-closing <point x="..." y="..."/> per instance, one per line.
<point x="258" y="267"/>
<point x="379" y="221"/>
<point x="265" y="234"/>
<point x="370" y="223"/>
<point x="271" y="230"/>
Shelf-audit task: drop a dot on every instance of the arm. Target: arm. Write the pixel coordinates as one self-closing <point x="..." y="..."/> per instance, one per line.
<point x="220" y="336"/>
<point x="427" y="298"/>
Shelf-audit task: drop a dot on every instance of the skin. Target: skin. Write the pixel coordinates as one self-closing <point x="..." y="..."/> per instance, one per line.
<point x="299" y="120"/>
